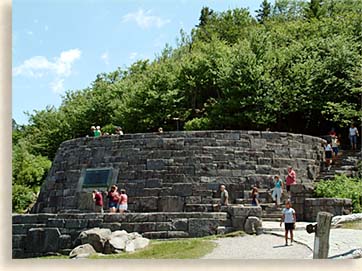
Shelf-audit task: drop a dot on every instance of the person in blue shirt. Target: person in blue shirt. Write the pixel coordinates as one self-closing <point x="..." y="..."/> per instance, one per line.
<point x="277" y="191"/>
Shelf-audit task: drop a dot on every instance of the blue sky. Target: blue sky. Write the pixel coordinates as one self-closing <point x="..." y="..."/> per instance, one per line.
<point x="62" y="45"/>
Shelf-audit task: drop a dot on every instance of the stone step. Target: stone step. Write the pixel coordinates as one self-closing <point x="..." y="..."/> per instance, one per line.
<point x="199" y="208"/>
<point x="274" y="219"/>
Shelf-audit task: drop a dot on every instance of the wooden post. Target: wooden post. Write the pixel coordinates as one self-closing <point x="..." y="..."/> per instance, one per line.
<point x="321" y="239"/>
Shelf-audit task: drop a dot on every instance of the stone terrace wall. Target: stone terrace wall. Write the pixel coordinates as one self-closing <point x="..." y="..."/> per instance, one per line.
<point x="334" y="206"/>
<point x="307" y="207"/>
<point x="38" y="234"/>
<point x="163" y="172"/>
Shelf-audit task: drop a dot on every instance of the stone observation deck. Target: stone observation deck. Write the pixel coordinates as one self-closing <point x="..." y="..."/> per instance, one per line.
<point x="172" y="180"/>
<point x="174" y="171"/>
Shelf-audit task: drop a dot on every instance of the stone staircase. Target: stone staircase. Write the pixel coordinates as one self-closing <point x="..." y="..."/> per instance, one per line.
<point x="346" y="163"/>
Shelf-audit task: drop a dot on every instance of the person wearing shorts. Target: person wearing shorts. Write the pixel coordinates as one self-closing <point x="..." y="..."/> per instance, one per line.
<point x="353" y="133"/>
<point x="289" y="218"/>
<point x="123" y="202"/>
<point x="113" y="198"/>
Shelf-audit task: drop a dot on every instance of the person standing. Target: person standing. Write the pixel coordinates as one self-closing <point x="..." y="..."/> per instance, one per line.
<point x="224" y="196"/>
<point x="97" y="132"/>
<point x="335" y="146"/>
<point x="278" y="190"/>
<point x="92" y="130"/>
<point x="289" y="218"/>
<point x="291" y="179"/>
<point x="123" y="201"/>
<point x="98" y="201"/>
<point x="353" y="133"/>
<point x="328" y="154"/>
<point x="113" y="198"/>
<point x="254" y="196"/>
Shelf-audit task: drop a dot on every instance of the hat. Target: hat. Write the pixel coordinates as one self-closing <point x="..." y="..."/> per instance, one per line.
<point x="98" y="127"/>
<point x="93" y="127"/>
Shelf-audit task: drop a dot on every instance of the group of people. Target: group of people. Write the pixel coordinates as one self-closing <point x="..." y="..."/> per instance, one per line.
<point x="117" y="200"/>
<point x="288" y="216"/>
<point x="290" y="180"/>
<point x="331" y="149"/>
<point x="278" y="190"/>
<point x="96" y="131"/>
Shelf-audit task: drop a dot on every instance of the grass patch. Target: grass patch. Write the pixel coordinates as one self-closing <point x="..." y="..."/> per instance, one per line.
<point x="187" y="248"/>
<point x="355" y="225"/>
<point x="178" y="249"/>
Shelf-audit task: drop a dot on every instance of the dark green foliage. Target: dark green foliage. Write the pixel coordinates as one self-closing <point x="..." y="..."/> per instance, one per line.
<point x="22" y="197"/>
<point x="342" y="187"/>
<point x="264" y="12"/>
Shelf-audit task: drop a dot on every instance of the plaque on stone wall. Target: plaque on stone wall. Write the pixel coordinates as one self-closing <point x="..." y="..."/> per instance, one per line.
<point x="97" y="177"/>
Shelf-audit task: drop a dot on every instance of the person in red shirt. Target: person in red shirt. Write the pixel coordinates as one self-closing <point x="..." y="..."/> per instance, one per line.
<point x="291" y="179"/>
<point x="113" y="197"/>
<point x="98" y="201"/>
<point x="123" y="201"/>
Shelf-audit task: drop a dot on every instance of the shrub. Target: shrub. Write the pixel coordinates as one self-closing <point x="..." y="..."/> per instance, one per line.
<point x="22" y="197"/>
<point x="197" y="124"/>
<point x="342" y="187"/>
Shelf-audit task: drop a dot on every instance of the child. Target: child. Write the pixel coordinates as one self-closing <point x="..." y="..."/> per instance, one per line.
<point x="289" y="218"/>
<point x="328" y="152"/>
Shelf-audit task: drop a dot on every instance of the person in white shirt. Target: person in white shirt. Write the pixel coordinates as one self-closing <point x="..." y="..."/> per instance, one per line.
<point x="328" y="154"/>
<point x="353" y="133"/>
<point x="289" y="218"/>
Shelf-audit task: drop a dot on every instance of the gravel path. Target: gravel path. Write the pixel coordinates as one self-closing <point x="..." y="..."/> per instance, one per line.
<point x="264" y="246"/>
<point x="340" y="240"/>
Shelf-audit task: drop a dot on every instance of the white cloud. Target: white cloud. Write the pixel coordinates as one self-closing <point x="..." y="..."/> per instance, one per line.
<point x="133" y="55"/>
<point x="46" y="28"/>
<point x="30" y="33"/>
<point x="57" y="85"/>
<point x="105" y="57"/>
<point x="39" y="66"/>
<point x="144" y="19"/>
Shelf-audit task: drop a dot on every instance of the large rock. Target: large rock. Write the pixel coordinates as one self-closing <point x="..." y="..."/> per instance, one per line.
<point x="130" y="247"/>
<point x="140" y="243"/>
<point x="253" y="225"/>
<point x="96" y="237"/>
<point x="82" y="251"/>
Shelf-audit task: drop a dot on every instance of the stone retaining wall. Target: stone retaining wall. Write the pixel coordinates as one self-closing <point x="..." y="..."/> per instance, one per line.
<point x="307" y="207"/>
<point x="165" y="172"/>
<point x="39" y="234"/>
<point x="334" y="206"/>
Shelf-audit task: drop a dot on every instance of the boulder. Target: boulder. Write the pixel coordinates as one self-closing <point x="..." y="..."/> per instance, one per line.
<point x="130" y="246"/>
<point x="96" y="237"/>
<point x="134" y="235"/>
<point x="253" y="225"/>
<point x="140" y="243"/>
<point x="115" y="244"/>
<point x="82" y="251"/>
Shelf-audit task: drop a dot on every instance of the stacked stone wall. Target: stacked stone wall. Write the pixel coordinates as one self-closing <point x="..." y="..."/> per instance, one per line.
<point x="307" y="207"/>
<point x="165" y="172"/>
<point x="40" y="234"/>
